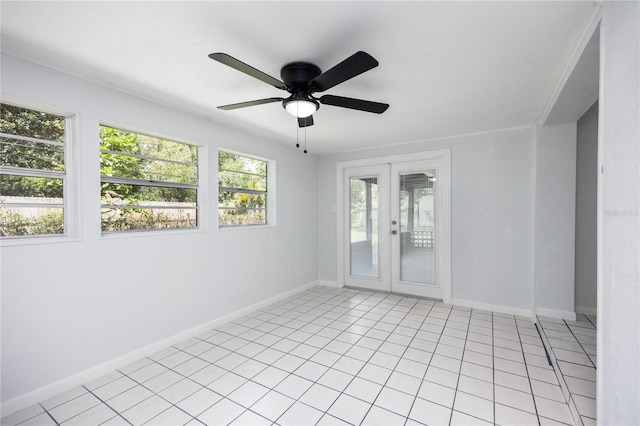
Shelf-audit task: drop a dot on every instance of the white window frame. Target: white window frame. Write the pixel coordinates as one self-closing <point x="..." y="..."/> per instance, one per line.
<point x="71" y="226"/>
<point x="270" y="193"/>
<point x="200" y="187"/>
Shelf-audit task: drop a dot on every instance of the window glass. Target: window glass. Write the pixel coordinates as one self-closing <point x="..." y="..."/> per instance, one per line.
<point x="32" y="172"/>
<point x="242" y="190"/>
<point x="148" y="183"/>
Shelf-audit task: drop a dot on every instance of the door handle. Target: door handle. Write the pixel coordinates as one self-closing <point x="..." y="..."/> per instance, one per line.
<point x="394" y="232"/>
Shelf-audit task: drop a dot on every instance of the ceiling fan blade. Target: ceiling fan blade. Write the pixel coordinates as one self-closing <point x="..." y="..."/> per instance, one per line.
<point x="305" y="121"/>
<point x="250" y="103"/>
<point x="354" y="65"/>
<point x="358" y="104"/>
<point x="232" y="62"/>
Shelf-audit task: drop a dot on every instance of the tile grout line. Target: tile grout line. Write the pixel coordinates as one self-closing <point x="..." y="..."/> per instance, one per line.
<point x="589" y="319"/>
<point x="326" y="412"/>
<point x="142" y="384"/>
<point x="392" y="370"/>
<point x="434" y="353"/>
<point x="356" y="375"/>
<point x="526" y="366"/>
<point x="415" y="397"/>
<point x="427" y="364"/>
<point x="118" y="414"/>
<point x="493" y="366"/>
<point x="460" y="369"/>
<point x="579" y="343"/>
<point x="572" y="394"/>
<point x="272" y="389"/>
<point x="48" y="414"/>
<point x="334" y="339"/>
<point x="293" y="372"/>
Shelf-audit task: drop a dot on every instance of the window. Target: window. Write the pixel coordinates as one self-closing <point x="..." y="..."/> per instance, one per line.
<point x="242" y="190"/>
<point x="32" y="172"/>
<point x="148" y="183"/>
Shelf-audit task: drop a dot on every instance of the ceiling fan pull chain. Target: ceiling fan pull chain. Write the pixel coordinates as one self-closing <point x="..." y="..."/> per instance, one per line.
<point x="305" y="140"/>
<point x="297" y="136"/>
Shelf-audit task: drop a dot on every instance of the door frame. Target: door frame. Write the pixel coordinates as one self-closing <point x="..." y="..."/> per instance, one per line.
<point x="443" y="215"/>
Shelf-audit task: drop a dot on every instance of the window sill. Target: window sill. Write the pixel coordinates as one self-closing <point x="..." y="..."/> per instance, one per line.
<point x="114" y="235"/>
<point x="36" y="240"/>
<point x="244" y="227"/>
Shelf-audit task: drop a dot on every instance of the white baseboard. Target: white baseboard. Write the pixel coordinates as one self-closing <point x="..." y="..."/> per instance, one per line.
<point x="586" y="311"/>
<point x="553" y="313"/>
<point x="23" y="401"/>
<point x="495" y="308"/>
<point x="330" y="284"/>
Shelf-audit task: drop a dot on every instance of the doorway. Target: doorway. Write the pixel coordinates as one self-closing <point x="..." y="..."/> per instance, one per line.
<point x="394" y="224"/>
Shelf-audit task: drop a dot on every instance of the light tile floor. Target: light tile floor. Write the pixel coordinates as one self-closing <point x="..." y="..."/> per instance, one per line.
<point x="572" y="346"/>
<point x="331" y="356"/>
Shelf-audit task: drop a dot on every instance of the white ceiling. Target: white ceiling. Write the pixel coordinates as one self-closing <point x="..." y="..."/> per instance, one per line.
<point x="446" y="68"/>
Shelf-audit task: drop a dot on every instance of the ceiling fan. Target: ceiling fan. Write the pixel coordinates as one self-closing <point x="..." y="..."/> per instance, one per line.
<point x="302" y="80"/>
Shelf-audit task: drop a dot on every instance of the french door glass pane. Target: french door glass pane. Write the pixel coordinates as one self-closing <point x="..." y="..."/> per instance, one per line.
<point x="417" y="227"/>
<point x="363" y="226"/>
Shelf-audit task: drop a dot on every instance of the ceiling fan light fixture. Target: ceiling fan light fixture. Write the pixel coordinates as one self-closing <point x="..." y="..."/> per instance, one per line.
<point x="300" y="108"/>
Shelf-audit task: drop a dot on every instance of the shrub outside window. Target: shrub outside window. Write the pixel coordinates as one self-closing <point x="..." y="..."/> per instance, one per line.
<point x="242" y="190"/>
<point x="147" y="183"/>
<point x="32" y="172"/>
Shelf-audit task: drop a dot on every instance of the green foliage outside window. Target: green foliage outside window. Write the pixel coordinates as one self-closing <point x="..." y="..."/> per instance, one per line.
<point x="32" y="143"/>
<point x="34" y="124"/>
<point x="242" y="190"/>
<point x="148" y="198"/>
<point x="15" y="224"/>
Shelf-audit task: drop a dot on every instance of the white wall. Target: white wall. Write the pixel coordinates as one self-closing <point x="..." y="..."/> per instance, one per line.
<point x="618" y="216"/>
<point x="70" y="306"/>
<point x="586" y="211"/>
<point x="555" y="220"/>
<point x="491" y="215"/>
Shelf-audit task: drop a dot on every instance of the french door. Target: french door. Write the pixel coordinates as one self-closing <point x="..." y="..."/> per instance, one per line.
<point x="396" y="227"/>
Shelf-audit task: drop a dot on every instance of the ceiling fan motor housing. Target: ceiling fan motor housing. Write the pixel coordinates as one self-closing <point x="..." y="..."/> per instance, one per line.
<point x="297" y="75"/>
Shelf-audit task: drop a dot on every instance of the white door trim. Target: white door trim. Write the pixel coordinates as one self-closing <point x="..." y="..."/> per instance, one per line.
<point x="443" y="156"/>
